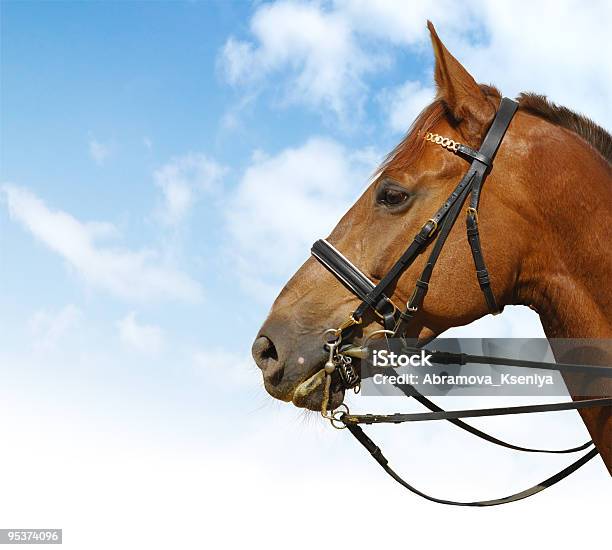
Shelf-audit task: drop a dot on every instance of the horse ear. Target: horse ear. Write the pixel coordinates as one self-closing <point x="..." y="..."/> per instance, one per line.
<point x="463" y="97"/>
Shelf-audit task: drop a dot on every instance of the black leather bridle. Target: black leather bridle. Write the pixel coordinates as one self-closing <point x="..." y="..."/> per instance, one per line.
<point x="376" y="298"/>
<point x="439" y="225"/>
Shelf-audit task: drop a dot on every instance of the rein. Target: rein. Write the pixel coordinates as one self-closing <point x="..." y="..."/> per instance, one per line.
<point x="395" y="322"/>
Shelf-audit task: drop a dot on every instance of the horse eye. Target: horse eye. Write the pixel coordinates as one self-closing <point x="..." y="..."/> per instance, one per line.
<point x="392" y="196"/>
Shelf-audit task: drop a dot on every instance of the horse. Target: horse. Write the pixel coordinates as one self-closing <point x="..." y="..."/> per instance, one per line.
<point x="544" y="229"/>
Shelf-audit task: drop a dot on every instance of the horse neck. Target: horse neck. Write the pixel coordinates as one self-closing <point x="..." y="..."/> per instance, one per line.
<point x="567" y="270"/>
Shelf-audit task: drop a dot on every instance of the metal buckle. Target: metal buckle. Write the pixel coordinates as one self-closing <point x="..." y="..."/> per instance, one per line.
<point x="382" y="317"/>
<point x="409" y="308"/>
<point x="471" y="210"/>
<point x="433" y="229"/>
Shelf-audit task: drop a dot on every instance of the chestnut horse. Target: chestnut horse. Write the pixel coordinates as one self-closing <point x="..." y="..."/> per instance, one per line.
<point x="544" y="227"/>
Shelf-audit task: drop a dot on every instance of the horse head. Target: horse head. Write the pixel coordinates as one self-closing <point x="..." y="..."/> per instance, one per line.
<point x="416" y="178"/>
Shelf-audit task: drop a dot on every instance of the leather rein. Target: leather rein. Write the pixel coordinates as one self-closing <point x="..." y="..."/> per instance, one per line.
<point x="395" y="321"/>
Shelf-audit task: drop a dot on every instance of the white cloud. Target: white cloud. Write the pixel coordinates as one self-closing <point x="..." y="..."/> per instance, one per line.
<point x="327" y="51"/>
<point x="322" y="54"/>
<point x="134" y="275"/>
<point x="281" y="467"/>
<point x="284" y="202"/>
<point x="49" y="327"/>
<point x="98" y="151"/>
<point x="147" y="339"/>
<point x="315" y="45"/>
<point x="514" y="322"/>
<point x="181" y="180"/>
<point x="553" y="53"/>
<point x="227" y="369"/>
<point x="392" y="22"/>
<point x="236" y="57"/>
<point x="404" y="103"/>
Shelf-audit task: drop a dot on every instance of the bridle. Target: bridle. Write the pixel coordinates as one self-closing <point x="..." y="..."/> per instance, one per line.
<point x="395" y="321"/>
<point x="439" y="225"/>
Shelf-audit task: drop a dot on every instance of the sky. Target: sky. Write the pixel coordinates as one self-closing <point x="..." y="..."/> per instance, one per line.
<point x="165" y="167"/>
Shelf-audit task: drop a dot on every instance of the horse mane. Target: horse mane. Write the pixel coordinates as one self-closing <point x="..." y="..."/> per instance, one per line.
<point x="581" y="125"/>
<point x="411" y="146"/>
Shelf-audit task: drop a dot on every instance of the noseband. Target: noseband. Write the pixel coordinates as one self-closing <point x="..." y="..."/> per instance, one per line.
<point x="395" y="320"/>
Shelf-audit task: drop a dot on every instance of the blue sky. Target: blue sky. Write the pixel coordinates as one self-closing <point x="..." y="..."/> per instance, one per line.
<point x="122" y="76"/>
<point x="164" y="169"/>
<point x="77" y="73"/>
<point x="144" y="83"/>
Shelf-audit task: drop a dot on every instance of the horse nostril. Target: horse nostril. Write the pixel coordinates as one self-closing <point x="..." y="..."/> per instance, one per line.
<point x="266" y="357"/>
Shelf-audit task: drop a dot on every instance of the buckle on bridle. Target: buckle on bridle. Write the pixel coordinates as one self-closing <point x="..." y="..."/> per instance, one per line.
<point x="410" y="308"/>
<point x="393" y="312"/>
<point x="471" y="211"/>
<point x="433" y="229"/>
